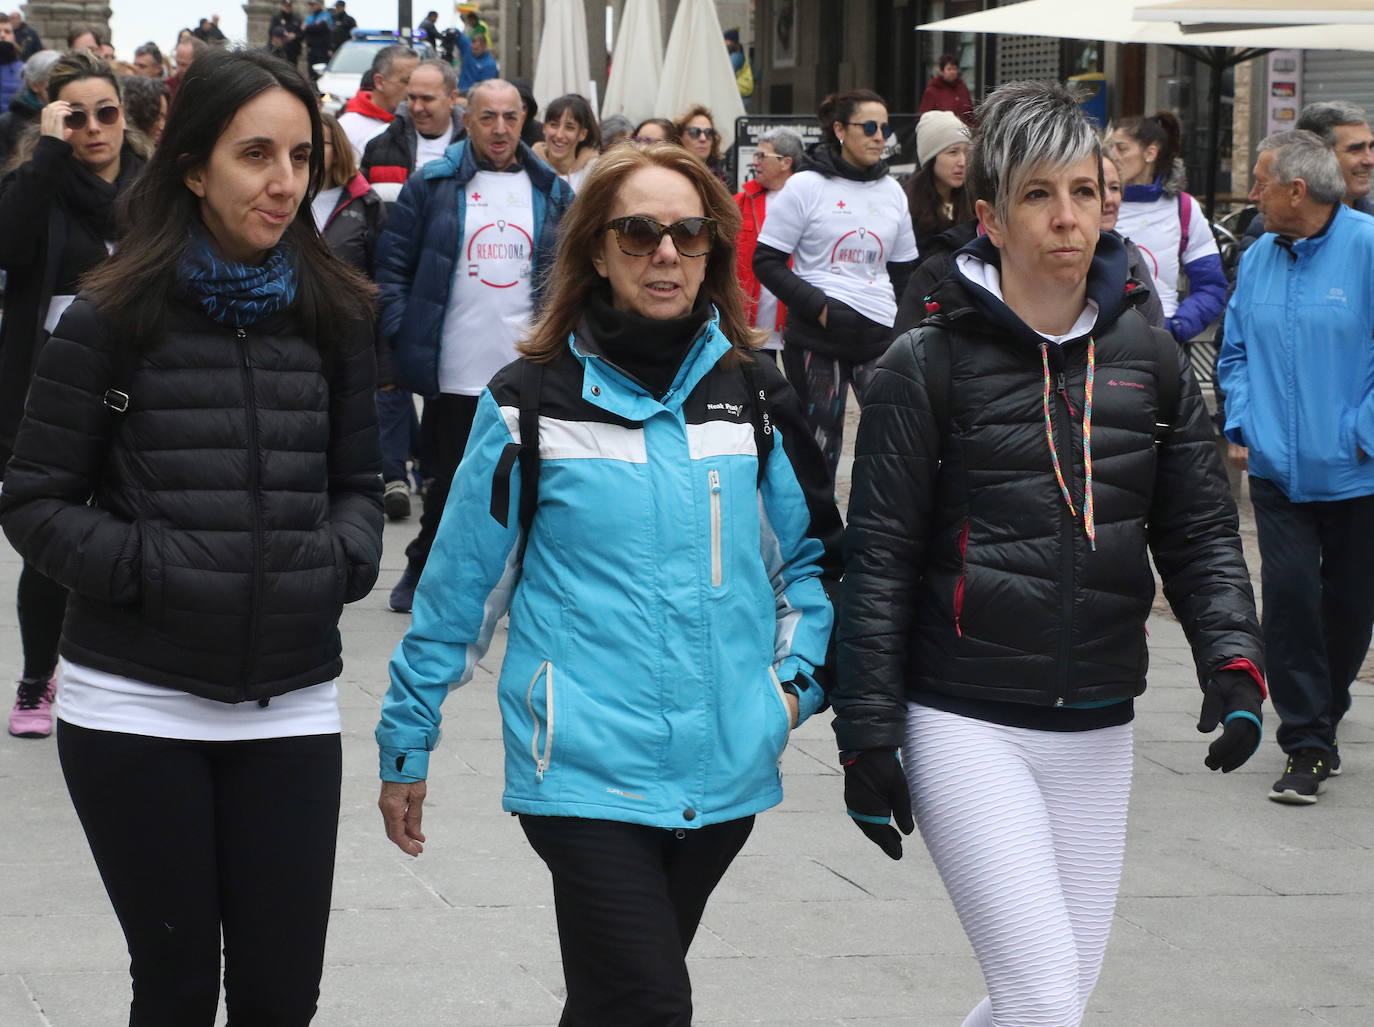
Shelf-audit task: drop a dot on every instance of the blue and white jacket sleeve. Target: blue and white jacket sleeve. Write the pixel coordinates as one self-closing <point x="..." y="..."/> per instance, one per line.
<point x="1207" y="286"/>
<point x="800" y="539"/>
<point x="465" y="589"/>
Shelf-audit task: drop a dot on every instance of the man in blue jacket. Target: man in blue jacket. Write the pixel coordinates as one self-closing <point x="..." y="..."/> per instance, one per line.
<point x="1297" y="366"/>
<point x="460" y="263"/>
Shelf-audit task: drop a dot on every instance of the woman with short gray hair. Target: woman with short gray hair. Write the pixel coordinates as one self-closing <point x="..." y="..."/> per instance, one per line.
<point x="997" y="580"/>
<point x="778" y="155"/>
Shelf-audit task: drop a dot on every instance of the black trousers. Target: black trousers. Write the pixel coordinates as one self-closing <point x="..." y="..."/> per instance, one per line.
<point x="628" y="900"/>
<point x="1317" y="578"/>
<point x="42" y="604"/>
<point x="197" y="838"/>
<point x="444" y="429"/>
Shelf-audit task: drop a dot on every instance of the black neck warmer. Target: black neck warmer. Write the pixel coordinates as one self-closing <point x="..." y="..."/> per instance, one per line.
<point x="646" y="349"/>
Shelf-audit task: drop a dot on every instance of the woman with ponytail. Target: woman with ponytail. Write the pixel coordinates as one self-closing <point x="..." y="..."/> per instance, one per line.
<point x="1167" y="224"/>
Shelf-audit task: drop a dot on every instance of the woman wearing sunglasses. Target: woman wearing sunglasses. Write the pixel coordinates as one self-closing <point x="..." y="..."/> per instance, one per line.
<point x="57" y="209"/>
<point x="666" y="583"/>
<point x="844" y="224"/>
<point x="198" y="464"/>
<point x="697" y="130"/>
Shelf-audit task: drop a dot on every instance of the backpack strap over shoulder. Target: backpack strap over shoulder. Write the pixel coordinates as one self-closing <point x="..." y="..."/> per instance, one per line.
<point x="759" y="414"/>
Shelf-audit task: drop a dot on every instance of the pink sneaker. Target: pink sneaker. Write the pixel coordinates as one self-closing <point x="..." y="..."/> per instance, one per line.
<point x="32" y="713"/>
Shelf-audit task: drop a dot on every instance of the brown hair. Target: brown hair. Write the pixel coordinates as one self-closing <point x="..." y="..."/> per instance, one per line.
<point x="697" y="110"/>
<point x="583" y="229"/>
<point x="343" y="168"/>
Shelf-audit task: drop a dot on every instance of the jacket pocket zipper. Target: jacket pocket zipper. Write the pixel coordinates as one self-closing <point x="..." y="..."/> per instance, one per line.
<point x="717" y="571"/>
<point x="963" y="575"/>
<point x="541" y="761"/>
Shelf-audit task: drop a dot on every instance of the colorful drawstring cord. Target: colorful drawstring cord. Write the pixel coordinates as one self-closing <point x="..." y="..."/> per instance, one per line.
<point x="1089" y="521"/>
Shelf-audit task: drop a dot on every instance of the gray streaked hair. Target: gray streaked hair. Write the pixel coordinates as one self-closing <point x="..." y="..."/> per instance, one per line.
<point x="1022" y="127"/>
<point x="38" y="67"/>
<point x="1302" y="154"/>
<point x="785" y="143"/>
<point x="1322" y="117"/>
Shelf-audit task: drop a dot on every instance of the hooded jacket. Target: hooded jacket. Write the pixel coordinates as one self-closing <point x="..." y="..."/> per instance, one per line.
<point x="362" y="121"/>
<point x="752" y="201"/>
<point x="420" y="247"/>
<point x="970" y="575"/>
<point x="664" y="592"/>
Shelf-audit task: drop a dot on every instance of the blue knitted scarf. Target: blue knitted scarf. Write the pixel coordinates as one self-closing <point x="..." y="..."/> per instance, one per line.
<point x="238" y="294"/>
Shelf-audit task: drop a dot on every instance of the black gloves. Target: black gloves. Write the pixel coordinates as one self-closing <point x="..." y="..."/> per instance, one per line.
<point x="875" y="792"/>
<point x="1231" y="699"/>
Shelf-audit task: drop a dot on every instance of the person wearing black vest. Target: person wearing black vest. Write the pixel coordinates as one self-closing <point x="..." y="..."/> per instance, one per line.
<point x="58" y="209"/>
<point x="198" y="465"/>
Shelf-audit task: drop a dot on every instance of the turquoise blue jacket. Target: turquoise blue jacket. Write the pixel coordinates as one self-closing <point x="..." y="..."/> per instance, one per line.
<point x="1297" y="364"/>
<point x="665" y="596"/>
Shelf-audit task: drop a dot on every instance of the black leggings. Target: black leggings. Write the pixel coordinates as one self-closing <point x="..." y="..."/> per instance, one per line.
<point x="42" y="604"/>
<point x="192" y="838"/>
<point x="628" y="901"/>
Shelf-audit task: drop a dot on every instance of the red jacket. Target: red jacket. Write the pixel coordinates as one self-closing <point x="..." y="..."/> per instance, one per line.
<point x="947" y="96"/>
<point x="752" y="202"/>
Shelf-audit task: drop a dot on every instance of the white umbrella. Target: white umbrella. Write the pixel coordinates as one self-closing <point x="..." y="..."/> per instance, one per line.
<point x="636" y="63"/>
<point x="1214" y="15"/>
<point x="697" y="69"/>
<point x="562" y="64"/>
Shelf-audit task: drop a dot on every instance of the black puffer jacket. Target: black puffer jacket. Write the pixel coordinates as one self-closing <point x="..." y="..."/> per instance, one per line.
<point x="966" y="574"/>
<point x="234" y="508"/>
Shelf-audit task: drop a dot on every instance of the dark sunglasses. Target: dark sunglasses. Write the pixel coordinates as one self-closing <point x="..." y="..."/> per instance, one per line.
<point x="107" y="115"/>
<point x="639" y="236"/>
<point x="697" y="132"/>
<point x="872" y="128"/>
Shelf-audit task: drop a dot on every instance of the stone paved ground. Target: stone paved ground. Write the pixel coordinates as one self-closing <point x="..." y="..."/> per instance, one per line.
<point x="1234" y="911"/>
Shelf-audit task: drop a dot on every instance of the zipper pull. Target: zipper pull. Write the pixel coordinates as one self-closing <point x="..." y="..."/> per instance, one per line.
<point x="1064" y="393"/>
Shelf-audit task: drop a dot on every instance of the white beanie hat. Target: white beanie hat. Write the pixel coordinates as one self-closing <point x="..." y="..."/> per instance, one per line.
<point x="937" y="131"/>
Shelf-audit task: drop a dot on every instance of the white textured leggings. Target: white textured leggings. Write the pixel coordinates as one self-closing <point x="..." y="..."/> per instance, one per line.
<point x="1027" y="829"/>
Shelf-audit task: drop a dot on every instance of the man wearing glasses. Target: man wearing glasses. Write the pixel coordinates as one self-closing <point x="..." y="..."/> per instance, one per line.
<point x="460" y="263"/>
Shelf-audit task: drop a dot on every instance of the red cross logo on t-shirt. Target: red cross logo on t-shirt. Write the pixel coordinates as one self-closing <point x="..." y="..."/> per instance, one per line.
<point x="476" y="197"/>
<point x="840" y="204"/>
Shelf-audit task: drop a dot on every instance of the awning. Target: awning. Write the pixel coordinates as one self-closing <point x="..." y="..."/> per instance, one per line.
<point x="1195" y="16"/>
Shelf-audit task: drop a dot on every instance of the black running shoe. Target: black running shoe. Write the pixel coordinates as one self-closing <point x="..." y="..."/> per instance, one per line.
<point x="1303" y="778"/>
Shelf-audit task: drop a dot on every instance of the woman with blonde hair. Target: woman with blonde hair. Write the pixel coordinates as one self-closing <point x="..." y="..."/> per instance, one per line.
<point x="641" y="493"/>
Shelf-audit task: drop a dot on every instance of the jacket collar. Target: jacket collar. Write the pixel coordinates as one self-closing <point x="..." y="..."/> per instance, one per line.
<point x="1143" y="193"/>
<point x="605" y="387"/>
<point x="752" y="188"/>
<point x="361" y="103"/>
<point x="459" y="162"/>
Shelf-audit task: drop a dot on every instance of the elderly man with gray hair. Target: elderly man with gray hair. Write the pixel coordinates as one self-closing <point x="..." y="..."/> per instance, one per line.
<point x="779" y="153"/>
<point x="26" y="105"/>
<point x="1298" y="369"/>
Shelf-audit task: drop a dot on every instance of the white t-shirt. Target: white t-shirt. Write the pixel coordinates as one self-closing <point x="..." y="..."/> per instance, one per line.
<point x="767" y="318"/>
<point x="842" y="235"/>
<point x="427" y="150"/>
<point x="492" y="299"/>
<point x="324" y="205"/>
<point x="107" y="702"/>
<point x="361" y="130"/>
<point x="981" y="273"/>
<point x="1156" y="230"/>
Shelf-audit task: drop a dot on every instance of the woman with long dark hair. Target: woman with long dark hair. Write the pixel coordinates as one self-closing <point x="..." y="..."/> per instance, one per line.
<point x="844" y="223"/>
<point x="198" y="465"/>
<point x="664" y="559"/>
<point x="571" y="138"/>
<point x="57" y="209"/>
<point x="1166" y="223"/>
<point x="937" y="193"/>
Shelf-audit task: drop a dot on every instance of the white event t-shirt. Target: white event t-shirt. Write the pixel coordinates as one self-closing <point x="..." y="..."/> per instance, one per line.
<point x="492" y="300"/>
<point x="427" y="150"/>
<point x="842" y="234"/>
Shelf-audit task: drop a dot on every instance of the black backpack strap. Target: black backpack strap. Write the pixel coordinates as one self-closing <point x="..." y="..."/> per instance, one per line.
<point x="1166" y="382"/>
<point x="531" y="383"/>
<point x="759" y="414"/>
<point x="936" y="345"/>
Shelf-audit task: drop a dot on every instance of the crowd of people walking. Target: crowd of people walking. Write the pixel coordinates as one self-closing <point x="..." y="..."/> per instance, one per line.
<point x="238" y="334"/>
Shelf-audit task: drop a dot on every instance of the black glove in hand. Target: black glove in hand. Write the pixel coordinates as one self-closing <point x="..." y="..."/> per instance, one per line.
<point x="1231" y="700"/>
<point x="875" y="793"/>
